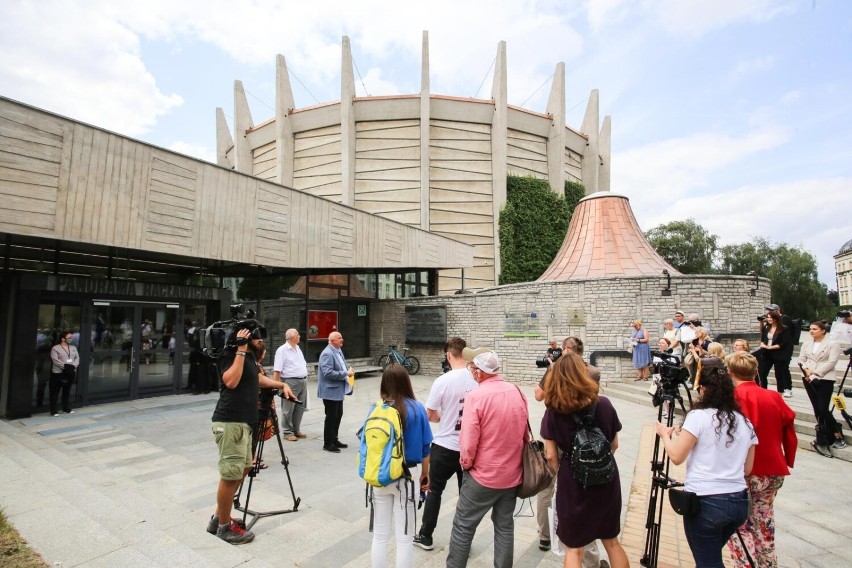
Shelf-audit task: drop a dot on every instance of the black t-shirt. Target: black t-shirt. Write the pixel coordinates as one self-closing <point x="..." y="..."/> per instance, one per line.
<point x="238" y="404"/>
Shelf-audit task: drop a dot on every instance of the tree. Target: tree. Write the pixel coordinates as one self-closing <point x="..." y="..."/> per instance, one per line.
<point x="686" y="245"/>
<point x="793" y="271"/>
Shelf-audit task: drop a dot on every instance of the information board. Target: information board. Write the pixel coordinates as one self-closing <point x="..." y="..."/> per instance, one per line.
<point x="426" y="324"/>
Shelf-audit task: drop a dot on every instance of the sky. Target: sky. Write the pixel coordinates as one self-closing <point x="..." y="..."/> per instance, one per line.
<point x="735" y="113"/>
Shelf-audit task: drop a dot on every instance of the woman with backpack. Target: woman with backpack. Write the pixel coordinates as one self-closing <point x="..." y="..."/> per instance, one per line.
<point x="584" y="514"/>
<point x="719" y="442"/>
<point x="395" y="502"/>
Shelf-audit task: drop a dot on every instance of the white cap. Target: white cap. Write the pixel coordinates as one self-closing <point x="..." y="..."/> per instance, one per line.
<point x="484" y="358"/>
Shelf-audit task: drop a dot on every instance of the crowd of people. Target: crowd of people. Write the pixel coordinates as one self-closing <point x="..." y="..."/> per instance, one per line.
<point x="738" y="440"/>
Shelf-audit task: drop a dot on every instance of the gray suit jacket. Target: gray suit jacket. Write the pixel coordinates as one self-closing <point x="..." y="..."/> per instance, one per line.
<point x="331" y="375"/>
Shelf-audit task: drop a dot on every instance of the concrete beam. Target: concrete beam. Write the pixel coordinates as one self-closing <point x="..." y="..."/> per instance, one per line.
<point x="425" y="123"/>
<point x="605" y="143"/>
<point x="284" y="140"/>
<point x="499" y="147"/>
<point x="591" y="155"/>
<point x="224" y="142"/>
<point x="556" y="137"/>
<point x="347" y="125"/>
<point x="242" y="123"/>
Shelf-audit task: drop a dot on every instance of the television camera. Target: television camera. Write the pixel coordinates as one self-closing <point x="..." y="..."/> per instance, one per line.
<point x="222" y="335"/>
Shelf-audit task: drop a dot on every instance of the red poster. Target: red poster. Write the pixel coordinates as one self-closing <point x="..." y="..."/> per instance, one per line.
<point x="321" y="324"/>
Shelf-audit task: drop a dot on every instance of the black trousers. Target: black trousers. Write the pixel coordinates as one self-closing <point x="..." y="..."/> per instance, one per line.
<point x="57" y="385"/>
<point x="820" y="392"/>
<point x="783" y="379"/>
<point x="443" y="465"/>
<point x="333" y="415"/>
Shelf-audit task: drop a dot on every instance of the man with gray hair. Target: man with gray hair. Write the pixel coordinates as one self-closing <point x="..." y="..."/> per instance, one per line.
<point x="493" y="433"/>
<point x="290" y="368"/>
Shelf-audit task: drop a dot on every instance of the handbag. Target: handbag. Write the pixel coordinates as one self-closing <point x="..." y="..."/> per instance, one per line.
<point x="537" y="474"/>
<point x="69" y="373"/>
<point x="683" y="502"/>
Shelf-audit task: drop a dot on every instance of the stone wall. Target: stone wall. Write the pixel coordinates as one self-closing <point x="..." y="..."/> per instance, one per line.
<point x="517" y="320"/>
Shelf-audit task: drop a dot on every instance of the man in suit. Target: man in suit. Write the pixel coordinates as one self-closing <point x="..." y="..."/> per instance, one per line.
<point x="332" y="379"/>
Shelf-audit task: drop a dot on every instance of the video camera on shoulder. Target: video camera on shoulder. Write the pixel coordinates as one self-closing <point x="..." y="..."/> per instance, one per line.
<point x="222" y="335"/>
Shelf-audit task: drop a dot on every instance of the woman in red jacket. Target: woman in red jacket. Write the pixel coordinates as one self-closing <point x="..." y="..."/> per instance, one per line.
<point x="774" y="455"/>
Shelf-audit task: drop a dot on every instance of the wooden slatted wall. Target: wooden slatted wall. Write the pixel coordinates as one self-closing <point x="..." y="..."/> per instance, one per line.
<point x="317" y="163"/>
<point x="526" y="154"/>
<point x="387" y="169"/>
<point x="573" y="166"/>
<point x="264" y="165"/>
<point x="460" y="196"/>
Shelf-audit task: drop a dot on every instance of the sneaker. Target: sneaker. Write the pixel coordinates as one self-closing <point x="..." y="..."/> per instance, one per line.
<point x="839" y="444"/>
<point x="821" y="450"/>
<point x="788" y="393"/>
<point x="213" y="525"/>
<point x="69" y="412"/>
<point x="423" y="541"/>
<point x="604" y="564"/>
<point x="544" y="544"/>
<point x="54" y="414"/>
<point x="234" y="534"/>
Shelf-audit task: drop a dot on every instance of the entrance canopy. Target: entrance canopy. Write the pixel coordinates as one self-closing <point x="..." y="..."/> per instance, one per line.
<point x="64" y="180"/>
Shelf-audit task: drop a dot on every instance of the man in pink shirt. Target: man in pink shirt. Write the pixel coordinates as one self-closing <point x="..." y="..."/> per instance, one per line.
<point x="493" y="432"/>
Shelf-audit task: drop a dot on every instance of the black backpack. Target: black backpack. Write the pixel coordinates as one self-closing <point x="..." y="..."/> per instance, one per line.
<point x="592" y="462"/>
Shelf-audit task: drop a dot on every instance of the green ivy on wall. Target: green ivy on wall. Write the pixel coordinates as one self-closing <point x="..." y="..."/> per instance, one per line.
<point x="533" y="225"/>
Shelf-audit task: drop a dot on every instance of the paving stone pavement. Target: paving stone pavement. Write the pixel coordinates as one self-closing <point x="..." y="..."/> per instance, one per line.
<point x="133" y="483"/>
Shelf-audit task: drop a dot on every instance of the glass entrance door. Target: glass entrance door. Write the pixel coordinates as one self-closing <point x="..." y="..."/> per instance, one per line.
<point x="132" y="351"/>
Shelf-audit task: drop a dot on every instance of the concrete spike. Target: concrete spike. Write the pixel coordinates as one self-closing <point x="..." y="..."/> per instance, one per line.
<point x="556" y="138"/>
<point x="284" y="139"/>
<point x="591" y="159"/>
<point x="242" y="124"/>
<point x="425" y="120"/>
<point x="224" y="142"/>
<point x="605" y="147"/>
<point x="499" y="147"/>
<point x="347" y="124"/>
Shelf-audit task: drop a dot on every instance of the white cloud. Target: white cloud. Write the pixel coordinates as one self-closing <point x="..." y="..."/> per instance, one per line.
<point x="194" y="150"/>
<point x="751" y="66"/>
<point x="91" y="60"/>
<point x="695" y="18"/>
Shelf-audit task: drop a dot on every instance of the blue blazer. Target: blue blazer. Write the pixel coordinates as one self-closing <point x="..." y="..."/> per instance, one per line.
<point x="331" y="376"/>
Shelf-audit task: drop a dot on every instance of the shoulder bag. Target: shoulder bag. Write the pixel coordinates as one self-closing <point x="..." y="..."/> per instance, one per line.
<point x="537" y="474"/>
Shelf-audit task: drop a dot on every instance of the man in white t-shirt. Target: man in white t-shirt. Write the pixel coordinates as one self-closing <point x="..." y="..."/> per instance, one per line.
<point x="290" y="368"/>
<point x="444" y="406"/>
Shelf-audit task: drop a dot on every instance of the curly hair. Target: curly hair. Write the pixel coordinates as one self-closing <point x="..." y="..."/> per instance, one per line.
<point x="395" y="388"/>
<point x="567" y="387"/>
<point x="717" y="393"/>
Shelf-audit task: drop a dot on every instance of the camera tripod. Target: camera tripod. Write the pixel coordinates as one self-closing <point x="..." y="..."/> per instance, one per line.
<point x="264" y="413"/>
<point x="660" y="480"/>
<point x="837" y="400"/>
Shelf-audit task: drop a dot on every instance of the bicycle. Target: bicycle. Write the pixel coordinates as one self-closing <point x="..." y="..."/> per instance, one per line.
<point x="411" y="363"/>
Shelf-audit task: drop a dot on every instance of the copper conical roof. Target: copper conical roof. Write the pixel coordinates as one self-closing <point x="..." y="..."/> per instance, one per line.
<point x="604" y="240"/>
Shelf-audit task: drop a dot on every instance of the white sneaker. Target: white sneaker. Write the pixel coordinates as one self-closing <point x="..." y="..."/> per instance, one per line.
<point x="788" y="393"/>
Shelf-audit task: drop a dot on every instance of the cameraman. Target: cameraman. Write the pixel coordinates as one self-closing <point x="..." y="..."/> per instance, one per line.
<point x="554" y="352"/>
<point x="234" y="419"/>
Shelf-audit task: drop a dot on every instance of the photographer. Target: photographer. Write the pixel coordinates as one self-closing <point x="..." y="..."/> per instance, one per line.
<point x="554" y="352"/>
<point x="234" y="420"/>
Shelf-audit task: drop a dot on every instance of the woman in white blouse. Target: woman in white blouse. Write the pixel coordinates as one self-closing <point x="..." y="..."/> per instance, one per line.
<point x="817" y="359"/>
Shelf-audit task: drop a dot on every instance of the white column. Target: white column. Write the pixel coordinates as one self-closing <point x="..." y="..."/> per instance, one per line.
<point x="284" y="139"/>
<point x="499" y="149"/>
<point x="605" y="146"/>
<point x="347" y="125"/>
<point x="224" y="142"/>
<point x="556" y="138"/>
<point x="242" y="124"/>
<point x="591" y="155"/>
<point x="425" y="119"/>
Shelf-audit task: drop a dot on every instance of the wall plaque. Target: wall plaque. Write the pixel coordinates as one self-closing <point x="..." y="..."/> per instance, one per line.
<point x="426" y="324"/>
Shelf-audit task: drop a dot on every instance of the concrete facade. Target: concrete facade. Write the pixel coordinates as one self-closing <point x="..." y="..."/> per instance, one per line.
<point x="843" y="269"/>
<point x="430" y="161"/>
<point x="517" y="320"/>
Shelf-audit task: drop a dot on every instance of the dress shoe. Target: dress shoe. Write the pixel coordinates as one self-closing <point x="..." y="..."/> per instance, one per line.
<point x="332" y="449"/>
<point x="301" y="435"/>
<point x="291" y="437"/>
<point x="340" y="444"/>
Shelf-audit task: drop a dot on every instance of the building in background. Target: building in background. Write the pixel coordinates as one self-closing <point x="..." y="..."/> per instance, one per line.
<point x="843" y="269"/>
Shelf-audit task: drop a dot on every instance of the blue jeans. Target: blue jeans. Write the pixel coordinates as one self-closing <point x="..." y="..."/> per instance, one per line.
<point x="718" y="517"/>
